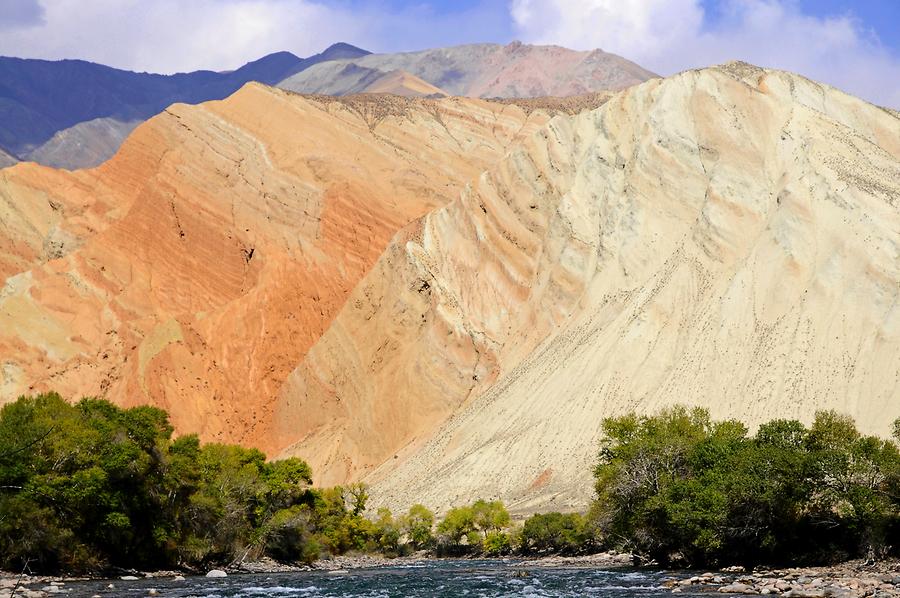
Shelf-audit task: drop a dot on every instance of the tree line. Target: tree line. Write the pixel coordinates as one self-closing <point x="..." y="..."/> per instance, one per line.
<point x="90" y="486"/>
<point x="681" y="489"/>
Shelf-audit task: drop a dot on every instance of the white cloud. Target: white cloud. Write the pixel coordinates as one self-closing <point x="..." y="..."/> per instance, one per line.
<point x="176" y="35"/>
<point x="168" y="36"/>
<point x="663" y="35"/>
<point x="667" y="36"/>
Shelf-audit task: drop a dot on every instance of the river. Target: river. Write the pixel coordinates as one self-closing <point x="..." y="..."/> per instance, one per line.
<point x="450" y="578"/>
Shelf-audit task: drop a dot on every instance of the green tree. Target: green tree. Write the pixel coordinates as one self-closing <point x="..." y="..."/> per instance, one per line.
<point x="387" y="531"/>
<point x="456" y="525"/>
<point x="489" y="516"/>
<point x="555" y="533"/>
<point x="358" y="495"/>
<point x="678" y="485"/>
<point x="89" y="484"/>
<point x="417" y="526"/>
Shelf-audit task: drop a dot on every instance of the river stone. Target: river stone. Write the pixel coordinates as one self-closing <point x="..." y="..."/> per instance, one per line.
<point x="216" y="573"/>
<point x="737" y="588"/>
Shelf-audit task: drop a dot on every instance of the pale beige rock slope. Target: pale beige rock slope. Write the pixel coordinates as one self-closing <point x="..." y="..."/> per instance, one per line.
<point x="728" y="237"/>
<point x="194" y="269"/>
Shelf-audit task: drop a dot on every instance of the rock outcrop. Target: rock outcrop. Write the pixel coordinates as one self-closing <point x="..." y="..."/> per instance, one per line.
<point x="401" y="83"/>
<point x="725" y="238"/>
<point x="445" y="297"/>
<point x="194" y="269"/>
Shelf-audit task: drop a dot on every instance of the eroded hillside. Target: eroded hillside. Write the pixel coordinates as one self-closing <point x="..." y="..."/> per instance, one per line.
<point x="728" y="237"/>
<point x="195" y="269"/>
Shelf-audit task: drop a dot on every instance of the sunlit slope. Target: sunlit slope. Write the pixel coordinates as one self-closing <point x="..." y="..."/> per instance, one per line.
<point x="727" y="237"/>
<point x="195" y="269"/>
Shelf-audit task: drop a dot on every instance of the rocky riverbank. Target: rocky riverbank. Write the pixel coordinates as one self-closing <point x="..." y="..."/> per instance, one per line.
<point x="38" y="586"/>
<point x="853" y="579"/>
<point x="602" y="560"/>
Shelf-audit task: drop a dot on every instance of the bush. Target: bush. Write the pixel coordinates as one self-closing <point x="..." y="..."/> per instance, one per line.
<point x="90" y="485"/>
<point x="496" y="544"/>
<point x="555" y="533"/>
<point x="680" y="487"/>
<point x="474" y="524"/>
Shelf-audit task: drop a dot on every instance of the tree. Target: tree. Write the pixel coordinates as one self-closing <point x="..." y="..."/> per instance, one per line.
<point x="359" y="496"/>
<point x="88" y="485"/>
<point x="457" y="524"/>
<point x="490" y="516"/>
<point x="679" y="486"/>
<point x="417" y="526"/>
<point x="387" y="531"/>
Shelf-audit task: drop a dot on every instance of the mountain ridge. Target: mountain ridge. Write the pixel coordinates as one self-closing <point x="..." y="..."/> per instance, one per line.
<point x="483" y="70"/>
<point x="43" y="98"/>
<point x="443" y="298"/>
<point x="703" y="218"/>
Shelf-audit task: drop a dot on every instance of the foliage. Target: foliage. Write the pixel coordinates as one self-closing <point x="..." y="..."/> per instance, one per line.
<point x="556" y="533"/>
<point x="91" y="485"/>
<point x="678" y="486"/>
<point x="476" y="528"/>
<point x="496" y="544"/>
<point x="417" y="526"/>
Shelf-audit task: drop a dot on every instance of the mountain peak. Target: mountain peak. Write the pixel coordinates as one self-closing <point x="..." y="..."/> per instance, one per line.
<point x="343" y="50"/>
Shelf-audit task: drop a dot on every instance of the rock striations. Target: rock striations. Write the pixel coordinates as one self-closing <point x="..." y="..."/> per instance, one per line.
<point x="195" y="269"/>
<point x="445" y="297"/>
<point x="728" y="238"/>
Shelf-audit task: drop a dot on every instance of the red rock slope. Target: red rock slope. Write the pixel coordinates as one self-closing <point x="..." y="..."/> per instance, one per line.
<point x="194" y="270"/>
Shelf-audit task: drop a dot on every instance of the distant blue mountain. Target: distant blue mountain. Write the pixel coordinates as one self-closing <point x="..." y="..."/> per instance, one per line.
<point x="39" y="98"/>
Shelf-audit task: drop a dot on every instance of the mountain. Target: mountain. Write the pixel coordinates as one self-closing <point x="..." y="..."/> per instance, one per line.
<point x="444" y="298"/>
<point x="7" y="159"/>
<point x="44" y="105"/>
<point x="401" y="83"/>
<point x="481" y="70"/>
<point x="725" y="238"/>
<point x="84" y="145"/>
<point x="195" y="268"/>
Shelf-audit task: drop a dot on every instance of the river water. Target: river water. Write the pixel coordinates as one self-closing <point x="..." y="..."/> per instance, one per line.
<point x="448" y="578"/>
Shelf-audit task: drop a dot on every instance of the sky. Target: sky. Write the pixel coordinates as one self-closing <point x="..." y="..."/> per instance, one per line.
<point x="853" y="45"/>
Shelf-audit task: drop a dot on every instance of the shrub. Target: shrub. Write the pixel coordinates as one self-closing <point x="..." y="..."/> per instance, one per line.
<point x="555" y="533"/>
<point x="678" y="486"/>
